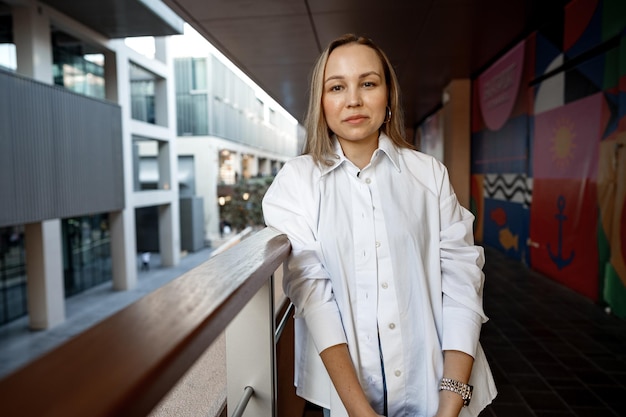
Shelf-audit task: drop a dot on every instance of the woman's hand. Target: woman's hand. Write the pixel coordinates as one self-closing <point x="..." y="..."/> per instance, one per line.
<point x="341" y="371"/>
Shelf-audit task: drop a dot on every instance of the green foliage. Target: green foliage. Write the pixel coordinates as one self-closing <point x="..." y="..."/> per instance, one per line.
<point x="242" y="212"/>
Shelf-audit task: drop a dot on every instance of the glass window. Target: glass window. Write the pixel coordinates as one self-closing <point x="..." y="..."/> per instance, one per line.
<point x="86" y="252"/>
<point x="13" y="295"/>
<point x="8" y="55"/>
<point x="142" y="94"/>
<point x="191" y="96"/>
<point x="77" y="66"/>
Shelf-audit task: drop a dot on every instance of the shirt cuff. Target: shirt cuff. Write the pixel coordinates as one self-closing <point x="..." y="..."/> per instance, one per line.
<point x="461" y="329"/>
<point x="325" y="326"/>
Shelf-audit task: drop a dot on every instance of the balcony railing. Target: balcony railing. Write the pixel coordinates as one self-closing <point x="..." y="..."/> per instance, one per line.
<point x="127" y="363"/>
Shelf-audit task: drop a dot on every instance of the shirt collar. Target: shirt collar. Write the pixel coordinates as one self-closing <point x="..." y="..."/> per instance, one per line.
<point x="385" y="145"/>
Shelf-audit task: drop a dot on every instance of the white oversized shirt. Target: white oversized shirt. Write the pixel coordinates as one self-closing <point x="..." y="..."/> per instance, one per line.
<point x="383" y="259"/>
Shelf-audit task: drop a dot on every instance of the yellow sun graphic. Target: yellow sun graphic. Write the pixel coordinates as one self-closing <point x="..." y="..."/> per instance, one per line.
<point x="562" y="143"/>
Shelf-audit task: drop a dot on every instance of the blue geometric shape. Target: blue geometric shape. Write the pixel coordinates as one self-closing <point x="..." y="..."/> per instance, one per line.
<point x="502" y="151"/>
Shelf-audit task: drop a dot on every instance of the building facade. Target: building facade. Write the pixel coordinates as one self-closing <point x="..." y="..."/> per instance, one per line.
<point x="229" y="130"/>
<point x="79" y="110"/>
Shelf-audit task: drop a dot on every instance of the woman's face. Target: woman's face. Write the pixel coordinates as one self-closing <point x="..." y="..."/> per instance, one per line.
<point x="354" y="97"/>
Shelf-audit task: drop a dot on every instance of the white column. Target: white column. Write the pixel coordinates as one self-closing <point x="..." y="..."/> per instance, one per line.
<point x="44" y="260"/>
<point x="31" y="34"/>
<point x="169" y="215"/>
<point x="169" y="233"/>
<point x="211" y="174"/>
<point x="123" y="249"/>
<point x="161" y="86"/>
<point x="122" y="223"/>
<point x="44" y="271"/>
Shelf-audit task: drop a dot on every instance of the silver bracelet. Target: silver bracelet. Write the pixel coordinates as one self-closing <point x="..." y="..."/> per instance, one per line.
<point x="464" y="390"/>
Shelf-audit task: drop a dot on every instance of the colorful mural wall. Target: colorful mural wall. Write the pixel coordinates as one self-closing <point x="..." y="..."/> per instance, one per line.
<point x="548" y="154"/>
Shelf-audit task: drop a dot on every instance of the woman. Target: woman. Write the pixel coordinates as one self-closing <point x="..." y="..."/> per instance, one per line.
<point x="385" y="277"/>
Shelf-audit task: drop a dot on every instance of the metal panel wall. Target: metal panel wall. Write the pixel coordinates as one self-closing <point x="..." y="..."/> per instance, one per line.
<point x="60" y="153"/>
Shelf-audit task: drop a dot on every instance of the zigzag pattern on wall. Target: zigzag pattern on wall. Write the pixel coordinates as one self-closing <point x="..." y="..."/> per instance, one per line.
<point x="509" y="187"/>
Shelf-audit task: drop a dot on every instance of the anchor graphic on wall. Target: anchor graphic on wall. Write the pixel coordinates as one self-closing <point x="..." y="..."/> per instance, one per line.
<point x="558" y="257"/>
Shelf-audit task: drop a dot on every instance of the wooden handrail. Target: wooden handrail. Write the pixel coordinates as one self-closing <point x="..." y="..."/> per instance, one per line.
<point x="124" y="365"/>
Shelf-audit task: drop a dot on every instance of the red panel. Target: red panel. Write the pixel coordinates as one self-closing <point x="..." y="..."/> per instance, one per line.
<point x="566" y="139"/>
<point x="563" y="226"/>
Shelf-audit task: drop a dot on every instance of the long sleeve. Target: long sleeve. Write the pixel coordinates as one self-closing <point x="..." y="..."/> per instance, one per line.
<point x="290" y="207"/>
<point x="462" y="276"/>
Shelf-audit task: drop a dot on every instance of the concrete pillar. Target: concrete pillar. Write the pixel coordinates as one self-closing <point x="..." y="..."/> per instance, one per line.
<point x="160" y="102"/>
<point x="457" y="137"/>
<point x="169" y="233"/>
<point x="122" y="223"/>
<point x="164" y="161"/>
<point x="123" y="249"/>
<point x="210" y="173"/>
<point x="31" y="35"/>
<point x="44" y="271"/>
<point x="161" y="49"/>
<point x="169" y="214"/>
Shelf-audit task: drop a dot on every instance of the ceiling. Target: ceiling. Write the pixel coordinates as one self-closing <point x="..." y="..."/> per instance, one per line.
<point x="122" y="18"/>
<point x="430" y="42"/>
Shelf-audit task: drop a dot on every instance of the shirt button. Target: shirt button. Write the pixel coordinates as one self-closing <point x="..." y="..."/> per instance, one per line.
<point x="384" y="285"/>
<point x="398" y="372"/>
<point x="368" y="181"/>
<point x="378" y="244"/>
<point x="392" y="326"/>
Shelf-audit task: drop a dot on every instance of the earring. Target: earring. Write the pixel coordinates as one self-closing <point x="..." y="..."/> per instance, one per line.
<point x="388" y="118"/>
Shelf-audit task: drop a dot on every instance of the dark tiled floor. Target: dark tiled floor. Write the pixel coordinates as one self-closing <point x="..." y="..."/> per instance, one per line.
<point x="553" y="352"/>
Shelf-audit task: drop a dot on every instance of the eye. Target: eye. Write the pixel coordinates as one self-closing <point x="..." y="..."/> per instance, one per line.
<point x="335" y="88"/>
<point x="369" y="84"/>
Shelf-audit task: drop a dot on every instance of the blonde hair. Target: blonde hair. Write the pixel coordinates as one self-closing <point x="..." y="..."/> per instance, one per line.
<point x="319" y="142"/>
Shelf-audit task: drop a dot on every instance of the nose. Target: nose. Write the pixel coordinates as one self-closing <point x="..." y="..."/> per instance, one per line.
<point x="354" y="98"/>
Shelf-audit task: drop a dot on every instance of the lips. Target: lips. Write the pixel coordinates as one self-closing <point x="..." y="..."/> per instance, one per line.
<point x="357" y="118"/>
